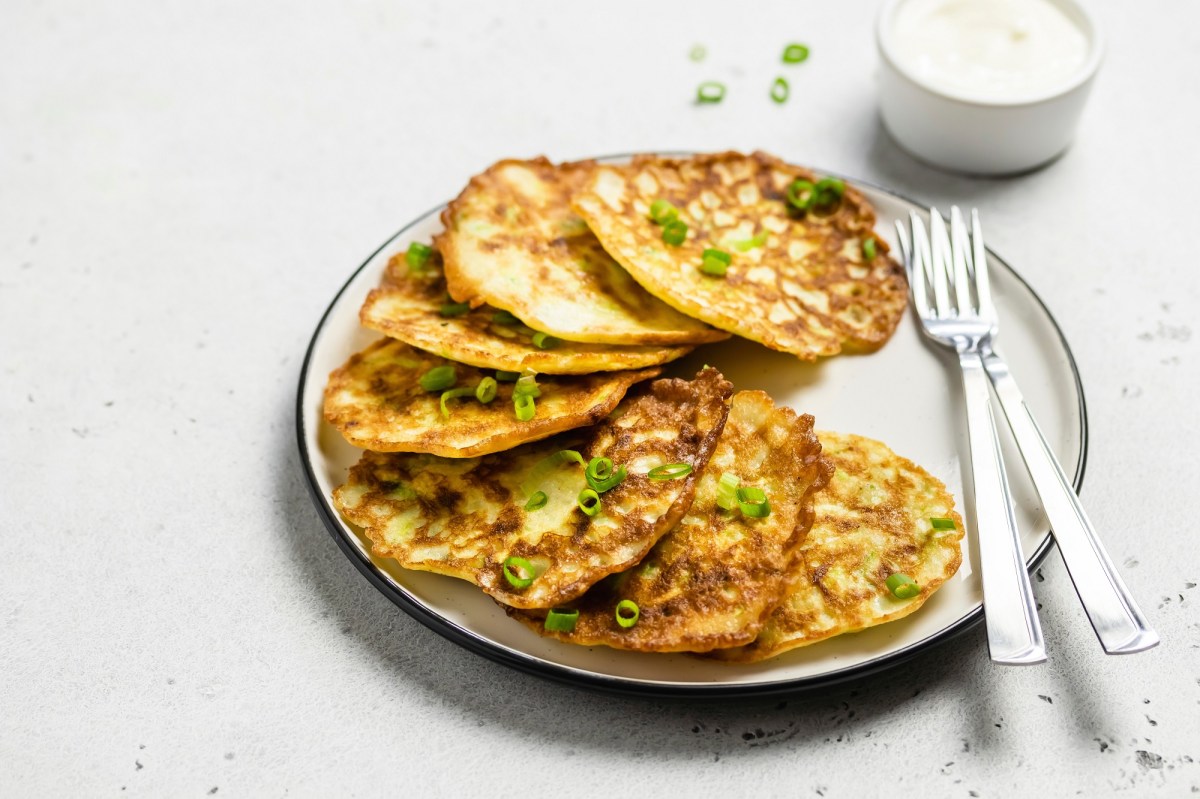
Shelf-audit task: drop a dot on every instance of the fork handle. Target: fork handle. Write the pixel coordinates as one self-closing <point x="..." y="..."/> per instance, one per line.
<point x="1014" y="633"/>
<point x="1116" y="618"/>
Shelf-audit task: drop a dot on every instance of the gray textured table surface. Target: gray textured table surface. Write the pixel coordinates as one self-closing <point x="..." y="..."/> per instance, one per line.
<point x="183" y="186"/>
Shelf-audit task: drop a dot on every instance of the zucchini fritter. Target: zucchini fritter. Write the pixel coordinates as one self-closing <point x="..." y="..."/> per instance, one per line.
<point x="377" y="403"/>
<point x="799" y="282"/>
<point x="513" y="242"/>
<point x="714" y="579"/>
<point x="408" y="307"/>
<point x="466" y="517"/>
<point x="872" y="520"/>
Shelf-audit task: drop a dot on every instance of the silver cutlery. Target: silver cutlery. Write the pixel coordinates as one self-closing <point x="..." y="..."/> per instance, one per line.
<point x="960" y="315"/>
<point x="1116" y="618"/>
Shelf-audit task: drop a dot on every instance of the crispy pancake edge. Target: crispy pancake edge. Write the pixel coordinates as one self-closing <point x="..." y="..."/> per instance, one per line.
<point x="407" y="308"/>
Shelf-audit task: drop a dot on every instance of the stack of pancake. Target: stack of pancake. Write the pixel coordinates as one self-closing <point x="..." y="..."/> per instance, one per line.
<point x="518" y="434"/>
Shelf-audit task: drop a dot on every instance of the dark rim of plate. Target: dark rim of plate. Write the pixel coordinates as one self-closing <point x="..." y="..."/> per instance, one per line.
<point x="625" y="685"/>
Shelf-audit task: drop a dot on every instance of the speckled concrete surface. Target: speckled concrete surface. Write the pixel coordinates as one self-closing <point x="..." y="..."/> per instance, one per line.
<point x="184" y="185"/>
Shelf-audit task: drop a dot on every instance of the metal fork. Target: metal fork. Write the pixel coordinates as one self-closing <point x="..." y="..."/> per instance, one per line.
<point x="966" y="324"/>
<point x="1115" y="616"/>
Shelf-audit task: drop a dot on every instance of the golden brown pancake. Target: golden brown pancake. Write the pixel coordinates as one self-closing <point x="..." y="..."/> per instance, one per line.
<point x="465" y="517"/>
<point x="872" y="520"/>
<point x="715" y="578"/>
<point x="408" y="307"/>
<point x="513" y="242"/>
<point x="803" y="283"/>
<point x="377" y="403"/>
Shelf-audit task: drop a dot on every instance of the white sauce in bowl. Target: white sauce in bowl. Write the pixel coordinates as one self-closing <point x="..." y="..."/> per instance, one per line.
<point x="988" y="49"/>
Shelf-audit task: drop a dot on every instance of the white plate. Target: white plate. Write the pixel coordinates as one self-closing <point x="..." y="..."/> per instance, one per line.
<point x="906" y="395"/>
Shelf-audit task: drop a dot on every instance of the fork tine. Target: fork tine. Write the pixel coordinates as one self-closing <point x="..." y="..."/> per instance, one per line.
<point x="960" y="245"/>
<point x="902" y="240"/>
<point x="905" y="245"/>
<point x="906" y="254"/>
<point x="983" y="288"/>
<point x="940" y="264"/>
<point x="918" y="276"/>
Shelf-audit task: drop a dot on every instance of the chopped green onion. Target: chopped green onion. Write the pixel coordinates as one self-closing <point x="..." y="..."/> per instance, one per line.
<point x="780" y="90"/>
<point x="669" y="471"/>
<point x="505" y="318"/>
<point x="827" y="194"/>
<point x="753" y="502"/>
<point x="710" y="91"/>
<point x="507" y="377"/>
<point x="454" y="308"/>
<point x="453" y="393"/>
<point x="601" y="476"/>
<point x="561" y="620"/>
<point x="544" y="341"/>
<point x="902" y="586"/>
<point x="745" y="245"/>
<point x="662" y="212"/>
<point x="418" y="256"/>
<point x="697" y="53"/>
<point x="869" y="249"/>
<point x="439" y="378"/>
<point x="727" y="491"/>
<point x="571" y="455"/>
<point x="627" y="613"/>
<point x="719" y="255"/>
<point x="537" y="501"/>
<point x="800" y="194"/>
<point x="562" y="456"/>
<point x="546" y="465"/>
<point x="599" y="468"/>
<point x="942" y="524"/>
<point x="485" y="392"/>
<point x="527" y="386"/>
<point x="795" y="54"/>
<point x="832" y="185"/>
<point x="715" y="262"/>
<point x="675" y="232"/>
<point x="511" y="566"/>
<point x="588" y="501"/>
<point x="524" y="407"/>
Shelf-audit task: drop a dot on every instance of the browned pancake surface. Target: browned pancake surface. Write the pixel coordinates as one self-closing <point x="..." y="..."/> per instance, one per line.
<point x="464" y="517"/>
<point x="716" y="577"/>
<point x="871" y="521"/>
<point x="806" y="288"/>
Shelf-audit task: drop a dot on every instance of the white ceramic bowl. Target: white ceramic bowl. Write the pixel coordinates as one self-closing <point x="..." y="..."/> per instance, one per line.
<point x="974" y="134"/>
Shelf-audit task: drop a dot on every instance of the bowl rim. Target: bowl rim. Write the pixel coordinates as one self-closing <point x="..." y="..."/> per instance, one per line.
<point x="1075" y="9"/>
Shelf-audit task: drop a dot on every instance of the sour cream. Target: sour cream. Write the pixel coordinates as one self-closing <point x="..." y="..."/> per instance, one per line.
<point x="1002" y="50"/>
